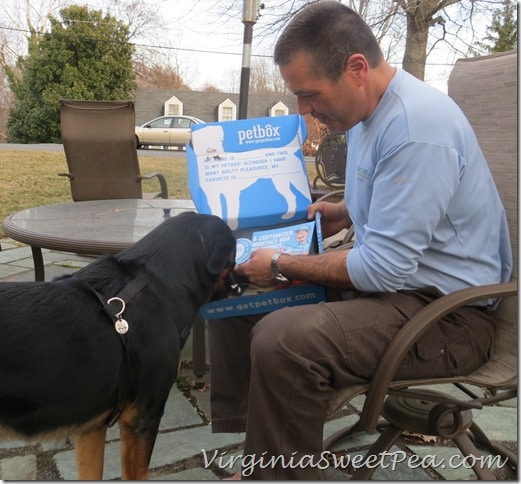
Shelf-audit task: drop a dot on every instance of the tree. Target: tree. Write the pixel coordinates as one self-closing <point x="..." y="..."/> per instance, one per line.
<point x="265" y="78"/>
<point x="409" y="31"/>
<point x="21" y="19"/>
<point x="502" y="33"/>
<point x="421" y="16"/>
<point x="316" y="132"/>
<point x="157" y="76"/>
<point x="84" y="56"/>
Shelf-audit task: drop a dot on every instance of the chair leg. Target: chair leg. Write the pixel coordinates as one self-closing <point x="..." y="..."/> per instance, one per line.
<point x="341" y="435"/>
<point x="344" y="433"/>
<point x="482" y="441"/>
<point x="382" y="444"/>
<point x="469" y="449"/>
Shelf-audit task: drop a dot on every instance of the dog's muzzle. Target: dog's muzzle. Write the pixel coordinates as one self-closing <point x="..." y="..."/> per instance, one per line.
<point x="233" y="284"/>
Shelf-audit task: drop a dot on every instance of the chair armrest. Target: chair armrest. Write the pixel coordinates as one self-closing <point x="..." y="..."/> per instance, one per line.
<point x="162" y="182"/>
<point x="332" y="194"/>
<point x="320" y="170"/>
<point x="315" y="181"/>
<point x="411" y="332"/>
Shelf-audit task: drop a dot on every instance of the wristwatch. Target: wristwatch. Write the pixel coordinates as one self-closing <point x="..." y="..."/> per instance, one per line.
<point x="276" y="275"/>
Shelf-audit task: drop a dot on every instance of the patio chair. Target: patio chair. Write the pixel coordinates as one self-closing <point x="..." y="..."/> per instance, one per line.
<point x="100" y="148"/>
<point x="330" y="164"/>
<point x="486" y="89"/>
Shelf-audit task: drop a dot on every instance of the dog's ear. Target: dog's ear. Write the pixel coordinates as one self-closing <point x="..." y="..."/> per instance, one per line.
<point x="222" y="255"/>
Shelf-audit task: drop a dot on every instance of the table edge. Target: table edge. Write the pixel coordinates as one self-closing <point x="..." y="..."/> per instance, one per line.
<point x="64" y="244"/>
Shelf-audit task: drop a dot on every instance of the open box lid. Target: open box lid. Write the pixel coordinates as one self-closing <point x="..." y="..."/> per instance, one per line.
<point x="250" y="172"/>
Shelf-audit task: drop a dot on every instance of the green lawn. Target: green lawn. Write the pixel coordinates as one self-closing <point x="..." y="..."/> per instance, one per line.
<point x="30" y="178"/>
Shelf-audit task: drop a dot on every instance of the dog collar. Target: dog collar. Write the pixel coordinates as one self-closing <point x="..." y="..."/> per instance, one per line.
<point x="114" y="306"/>
<point x="114" y="311"/>
<point x="111" y="306"/>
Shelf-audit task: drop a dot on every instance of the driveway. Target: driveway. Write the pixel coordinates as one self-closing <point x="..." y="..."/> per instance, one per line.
<point x="58" y="147"/>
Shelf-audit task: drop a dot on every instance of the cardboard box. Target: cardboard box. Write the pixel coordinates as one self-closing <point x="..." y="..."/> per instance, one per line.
<point x="252" y="174"/>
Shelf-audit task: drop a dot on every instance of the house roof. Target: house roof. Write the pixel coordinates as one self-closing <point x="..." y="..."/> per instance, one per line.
<point x="149" y="103"/>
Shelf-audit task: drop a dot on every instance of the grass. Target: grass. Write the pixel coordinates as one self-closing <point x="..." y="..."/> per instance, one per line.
<point x="30" y="178"/>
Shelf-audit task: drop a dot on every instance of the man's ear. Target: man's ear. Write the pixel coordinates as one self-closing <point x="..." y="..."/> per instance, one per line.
<point x="357" y="67"/>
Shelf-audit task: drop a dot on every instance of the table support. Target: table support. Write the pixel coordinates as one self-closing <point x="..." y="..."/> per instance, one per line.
<point x="199" y="351"/>
<point x="39" y="271"/>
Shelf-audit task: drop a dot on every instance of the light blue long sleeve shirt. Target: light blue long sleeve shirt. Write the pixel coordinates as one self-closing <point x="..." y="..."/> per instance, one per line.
<point x="424" y="205"/>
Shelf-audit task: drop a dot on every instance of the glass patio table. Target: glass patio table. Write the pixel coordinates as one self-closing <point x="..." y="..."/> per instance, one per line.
<point x="97" y="227"/>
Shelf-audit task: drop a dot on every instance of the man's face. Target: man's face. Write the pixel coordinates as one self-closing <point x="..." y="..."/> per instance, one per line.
<point x="339" y="106"/>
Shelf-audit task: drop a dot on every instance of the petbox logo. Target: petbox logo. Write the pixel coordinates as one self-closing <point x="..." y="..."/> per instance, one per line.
<point x="259" y="134"/>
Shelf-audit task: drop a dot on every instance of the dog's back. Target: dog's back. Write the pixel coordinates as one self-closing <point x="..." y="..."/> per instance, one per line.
<point x="65" y="368"/>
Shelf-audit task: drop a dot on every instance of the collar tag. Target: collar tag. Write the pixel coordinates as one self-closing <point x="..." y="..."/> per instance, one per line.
<point x="120" y="324"/>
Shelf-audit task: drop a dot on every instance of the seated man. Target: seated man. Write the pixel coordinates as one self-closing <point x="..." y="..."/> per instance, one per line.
<point x="428" y="220"/>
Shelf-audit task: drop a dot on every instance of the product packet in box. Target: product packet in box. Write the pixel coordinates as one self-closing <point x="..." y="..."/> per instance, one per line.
<point x="252" y="174"/>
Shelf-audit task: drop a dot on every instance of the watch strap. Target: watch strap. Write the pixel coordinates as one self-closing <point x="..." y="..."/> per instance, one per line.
<point x="276" y="275"/>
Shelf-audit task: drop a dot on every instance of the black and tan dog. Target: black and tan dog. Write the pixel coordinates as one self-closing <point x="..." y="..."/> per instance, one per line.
<point x="103" y="345"/>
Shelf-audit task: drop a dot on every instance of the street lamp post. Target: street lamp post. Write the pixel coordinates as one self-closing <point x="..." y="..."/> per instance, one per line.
<point x="250" y="14"/>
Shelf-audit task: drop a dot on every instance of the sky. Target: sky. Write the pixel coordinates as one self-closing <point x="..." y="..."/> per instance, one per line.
<point x="210" y="46"/>
<point x="207" y="46"/>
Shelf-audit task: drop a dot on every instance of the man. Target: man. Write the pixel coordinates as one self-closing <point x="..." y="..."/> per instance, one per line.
<point x="428" y="220"/>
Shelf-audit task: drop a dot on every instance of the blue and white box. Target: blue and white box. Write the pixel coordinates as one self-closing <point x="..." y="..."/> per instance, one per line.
<point x="252" y="174"/>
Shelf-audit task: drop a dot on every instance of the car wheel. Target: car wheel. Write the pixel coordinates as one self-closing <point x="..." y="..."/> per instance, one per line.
<point x="138" y="144"/>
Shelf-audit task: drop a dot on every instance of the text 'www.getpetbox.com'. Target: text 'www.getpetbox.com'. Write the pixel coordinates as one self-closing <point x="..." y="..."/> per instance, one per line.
<point x="326" y="460"/>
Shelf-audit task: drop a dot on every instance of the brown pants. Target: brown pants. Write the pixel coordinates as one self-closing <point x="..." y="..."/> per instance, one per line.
<point x="273" y="376"/>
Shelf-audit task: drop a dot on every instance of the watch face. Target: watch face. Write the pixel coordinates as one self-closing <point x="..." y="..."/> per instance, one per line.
<point x="243" y="250"/>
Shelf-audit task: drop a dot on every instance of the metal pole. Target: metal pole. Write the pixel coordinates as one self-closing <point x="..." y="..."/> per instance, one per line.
<point x="249" y="17"/>
<point x="245" y="70"/>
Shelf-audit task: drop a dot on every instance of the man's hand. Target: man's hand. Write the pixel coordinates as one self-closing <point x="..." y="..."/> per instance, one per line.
<point x="334" y="216"/>
<point x="258" y="269"/>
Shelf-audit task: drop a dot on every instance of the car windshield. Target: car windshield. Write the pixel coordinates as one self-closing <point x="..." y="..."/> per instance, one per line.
<point x="175" y="122"/>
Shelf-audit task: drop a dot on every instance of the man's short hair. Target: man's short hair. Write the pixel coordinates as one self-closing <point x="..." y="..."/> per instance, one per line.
<point x="328" y="32"/>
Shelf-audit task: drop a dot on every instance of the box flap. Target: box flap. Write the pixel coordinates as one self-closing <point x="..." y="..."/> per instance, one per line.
<point x="250" y="172"/>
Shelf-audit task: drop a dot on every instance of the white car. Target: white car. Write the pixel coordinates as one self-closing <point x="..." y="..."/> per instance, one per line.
<point x="166" y="131"/>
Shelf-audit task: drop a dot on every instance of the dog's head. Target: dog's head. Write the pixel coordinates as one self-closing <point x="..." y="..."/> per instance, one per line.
<point x="221" y="245"/>
<point x="192" y="251"/>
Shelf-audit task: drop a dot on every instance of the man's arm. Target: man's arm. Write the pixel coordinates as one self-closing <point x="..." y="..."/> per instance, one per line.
<point x="328" y="269"/>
